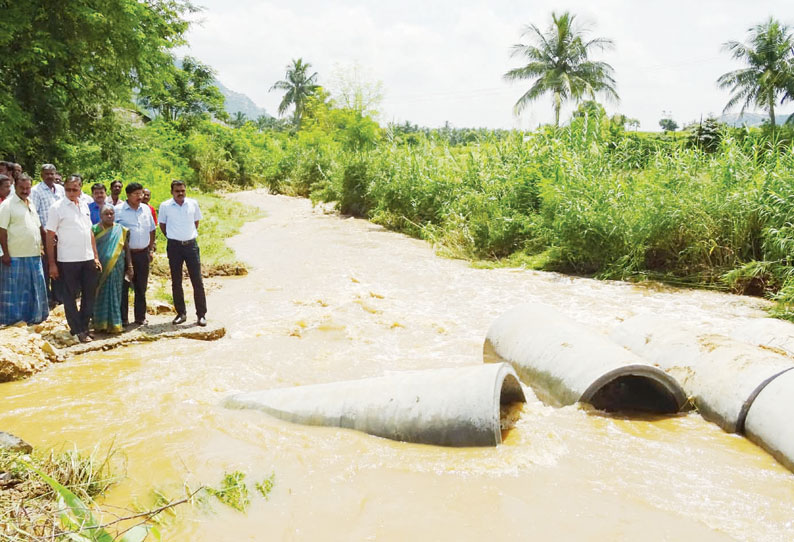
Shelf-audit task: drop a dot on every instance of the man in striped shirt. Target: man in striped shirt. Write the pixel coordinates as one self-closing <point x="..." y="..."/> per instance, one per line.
<point x="43" y="196"/>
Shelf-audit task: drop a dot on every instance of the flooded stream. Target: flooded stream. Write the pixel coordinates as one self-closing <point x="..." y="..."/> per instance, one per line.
<point x="330" y="299"/>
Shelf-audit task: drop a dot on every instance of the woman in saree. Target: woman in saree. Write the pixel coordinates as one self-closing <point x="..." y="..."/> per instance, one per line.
<point x="114" y="255"/>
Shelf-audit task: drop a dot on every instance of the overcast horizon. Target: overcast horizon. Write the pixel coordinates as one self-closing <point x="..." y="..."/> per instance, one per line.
<point x="444" y="61"/>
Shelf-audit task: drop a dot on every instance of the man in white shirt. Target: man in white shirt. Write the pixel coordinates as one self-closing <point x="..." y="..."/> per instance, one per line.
<point x="137" y="217"/>
<point x="77" y="259"/>
<point x="23" y="292"/>
<point x="179" y="220"/>
<point x="43" y="196"/>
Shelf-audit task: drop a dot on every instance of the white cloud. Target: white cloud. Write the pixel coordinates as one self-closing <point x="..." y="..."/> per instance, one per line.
<point x="444" y="60"/>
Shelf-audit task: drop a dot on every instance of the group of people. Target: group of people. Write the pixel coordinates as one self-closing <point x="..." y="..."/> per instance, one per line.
<point x="59" y="244"/>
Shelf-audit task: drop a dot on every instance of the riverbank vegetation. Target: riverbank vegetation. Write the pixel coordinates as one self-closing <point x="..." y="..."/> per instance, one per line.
<point x="57" y="496"/>
<point x="29" y="505"/>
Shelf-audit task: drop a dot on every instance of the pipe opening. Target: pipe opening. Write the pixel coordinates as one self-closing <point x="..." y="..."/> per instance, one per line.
<point x="511" y="403"/>
<point x="633" y="393"/>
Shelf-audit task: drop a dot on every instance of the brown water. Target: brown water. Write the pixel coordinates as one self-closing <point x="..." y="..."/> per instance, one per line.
<point x="332" y="299"/>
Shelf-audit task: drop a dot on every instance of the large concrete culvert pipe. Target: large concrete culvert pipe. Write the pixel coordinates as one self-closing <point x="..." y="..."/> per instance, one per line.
<point x="445" y="407"/>
<point x="768" y="333"/>
<point x="768" y="422"/>
<point x="743" y="388"/>
<point x="564" y="363"/>
<point x="722" y="375"/>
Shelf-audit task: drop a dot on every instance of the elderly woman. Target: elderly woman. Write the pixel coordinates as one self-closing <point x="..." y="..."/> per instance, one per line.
<point x="114" y="255"/>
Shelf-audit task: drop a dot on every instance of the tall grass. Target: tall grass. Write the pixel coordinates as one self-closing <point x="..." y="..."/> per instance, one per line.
<point x="589" y="200"/>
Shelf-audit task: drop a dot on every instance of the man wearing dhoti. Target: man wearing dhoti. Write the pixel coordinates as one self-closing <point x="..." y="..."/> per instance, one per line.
<point x="23" y="291"/>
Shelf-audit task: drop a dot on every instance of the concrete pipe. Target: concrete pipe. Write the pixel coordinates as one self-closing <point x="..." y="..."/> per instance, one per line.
<point x="565" y="363"/>
<point x="768" y="421"/>
<point x="766" y="332"/>
<point x="722" y="375"/>
<point x="446" y="407"/>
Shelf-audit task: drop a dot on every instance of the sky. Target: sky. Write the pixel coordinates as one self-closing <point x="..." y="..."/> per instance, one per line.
<point x="443" y="61"/>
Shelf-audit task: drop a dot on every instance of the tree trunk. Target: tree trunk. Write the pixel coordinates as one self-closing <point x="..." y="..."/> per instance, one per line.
<point x="772" y="111"/>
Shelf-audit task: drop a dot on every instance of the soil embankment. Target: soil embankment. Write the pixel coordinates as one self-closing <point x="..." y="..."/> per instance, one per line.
<point x="26" y="350"/>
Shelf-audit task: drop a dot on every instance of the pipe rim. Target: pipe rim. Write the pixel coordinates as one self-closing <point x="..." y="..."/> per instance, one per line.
<point x="654" y="374"/>
<point x="504" y="373"/>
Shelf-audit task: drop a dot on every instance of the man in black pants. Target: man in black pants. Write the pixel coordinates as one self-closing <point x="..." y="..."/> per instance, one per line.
<point x="77" y="260"/>
<point x="179" y="220"/>
<point x="137" y="217"/>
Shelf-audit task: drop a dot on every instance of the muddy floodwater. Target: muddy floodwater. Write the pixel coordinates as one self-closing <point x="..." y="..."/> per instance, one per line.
<point x="330" y="298"/>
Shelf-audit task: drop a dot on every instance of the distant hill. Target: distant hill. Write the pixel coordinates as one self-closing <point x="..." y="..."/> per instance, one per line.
<point x="235" y="101"/>
<point x="750" y="119"/>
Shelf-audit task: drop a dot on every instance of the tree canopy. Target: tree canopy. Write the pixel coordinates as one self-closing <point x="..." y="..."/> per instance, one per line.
<point x="66" y="65"/>
<point x="668" y="125"/>
<point x="184" y="93"/>
<point x="353" y="88"/>
<point x="769" y="73"/>
<point x="559" y="64"/>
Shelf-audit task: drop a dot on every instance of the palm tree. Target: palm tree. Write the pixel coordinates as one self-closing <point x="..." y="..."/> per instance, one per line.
<point x="769" y="75"/>
<point x="559" y="64"/>
<point x="263" y="122"/>
<point x="298" y="87"/>
<point x="239" y="119"/>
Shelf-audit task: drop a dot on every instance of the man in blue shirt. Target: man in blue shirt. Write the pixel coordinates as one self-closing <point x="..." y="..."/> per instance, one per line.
<point x="99" y="193"/>
<point x="137" y="217"/>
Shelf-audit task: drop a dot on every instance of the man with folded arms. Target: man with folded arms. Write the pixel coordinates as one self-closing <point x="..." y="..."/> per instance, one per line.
<point x="179" y="221"/>
<point x="77" y="259"/>
<point x="23" y="293"/>
<point x="137" y="217"/>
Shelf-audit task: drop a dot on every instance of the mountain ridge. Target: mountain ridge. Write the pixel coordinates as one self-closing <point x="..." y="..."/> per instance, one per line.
<point x="238" y="102"/>
<point x="750" y="119"/>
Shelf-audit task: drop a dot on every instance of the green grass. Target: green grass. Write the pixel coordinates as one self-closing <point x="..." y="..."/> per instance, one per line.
<point x="223" y="219"/>
<point x="51" y="496"/>
<point x="86" y="476"/>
